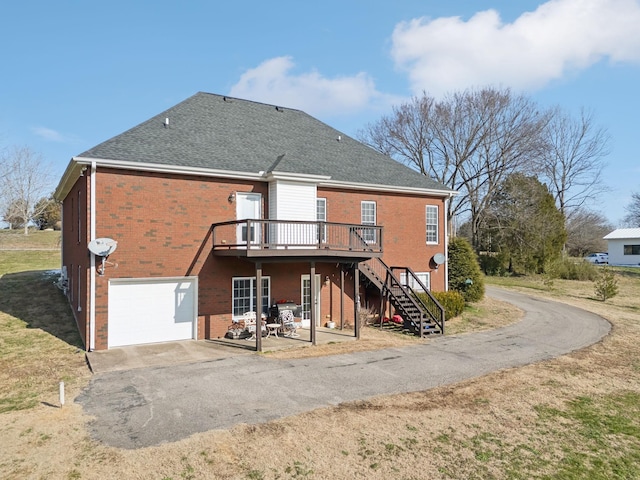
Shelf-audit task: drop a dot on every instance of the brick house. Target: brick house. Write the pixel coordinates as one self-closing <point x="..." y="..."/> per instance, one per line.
<point x="217" y="195"/>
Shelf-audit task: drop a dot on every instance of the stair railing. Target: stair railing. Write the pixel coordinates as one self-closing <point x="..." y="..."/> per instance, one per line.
<point x="389" y="285"/>
<point x="384" y="278"/>
<point x="430" y="304"/>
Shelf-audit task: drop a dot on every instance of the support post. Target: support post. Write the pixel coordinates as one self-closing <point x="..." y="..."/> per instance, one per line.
<point x="383" y="305"/>
<point x="356" y="300"/>
<point x="312" y="301"/>
<point x="258" y="306"/>
<point x="341" y="296"/>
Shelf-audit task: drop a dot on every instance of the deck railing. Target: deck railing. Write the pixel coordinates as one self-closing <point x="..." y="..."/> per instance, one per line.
<point x="291" y="234"/>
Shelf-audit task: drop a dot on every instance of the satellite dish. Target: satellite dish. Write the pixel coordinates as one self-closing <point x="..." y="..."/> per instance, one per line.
<point x="103" y="247"/>
<point x="439" y="258"/>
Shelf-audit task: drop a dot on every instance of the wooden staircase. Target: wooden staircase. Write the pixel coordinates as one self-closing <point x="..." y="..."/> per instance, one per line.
<point x="422" y="317"/>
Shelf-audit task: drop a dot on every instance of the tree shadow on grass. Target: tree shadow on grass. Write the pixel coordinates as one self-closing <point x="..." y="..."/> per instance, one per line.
<point x="630" y="272"/>
<point x="33" y="298"/>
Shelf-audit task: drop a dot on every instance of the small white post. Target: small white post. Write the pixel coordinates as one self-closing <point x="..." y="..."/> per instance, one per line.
<point x="61" y="394"/>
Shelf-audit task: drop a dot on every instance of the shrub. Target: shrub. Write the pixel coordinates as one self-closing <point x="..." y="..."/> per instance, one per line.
<point x="491" y="265"/>
<point x="568" y="269"/>
<point x="606" y="285"/>
<point x="464" y="271"/>
<point x="452" y="302"/>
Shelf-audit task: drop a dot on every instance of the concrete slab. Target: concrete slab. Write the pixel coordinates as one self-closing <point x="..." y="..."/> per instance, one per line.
<point x="195" y="351"/>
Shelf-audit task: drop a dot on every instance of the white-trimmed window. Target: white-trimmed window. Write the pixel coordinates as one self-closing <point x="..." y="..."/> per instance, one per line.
<point x="71" y="277"/>
<point x="321" y="216"/>
<point x="424" y="277"/>
<point x="79" y="286"/>
<point x="368" y="217"/>
<point x="432" y="223"/>
<point x="244" y="295"/>
<point x="79" y="218"/>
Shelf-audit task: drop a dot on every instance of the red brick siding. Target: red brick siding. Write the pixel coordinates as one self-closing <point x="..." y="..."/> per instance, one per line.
<point x="75" y="254"/>
<point x="162" y="225"/>
<point x="403" y="217"/>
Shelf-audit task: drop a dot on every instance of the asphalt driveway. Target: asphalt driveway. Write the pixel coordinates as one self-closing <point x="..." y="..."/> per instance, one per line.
<point x="150" y="406"/>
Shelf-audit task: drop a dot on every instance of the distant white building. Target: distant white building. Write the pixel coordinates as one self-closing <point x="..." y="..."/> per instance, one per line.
<point x="624" y="246"/>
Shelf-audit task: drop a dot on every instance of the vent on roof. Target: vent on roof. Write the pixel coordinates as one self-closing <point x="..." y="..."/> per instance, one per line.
<point x="280" y="109"/>
<point x="166" y="122"/>
<point x="226" y="99"/>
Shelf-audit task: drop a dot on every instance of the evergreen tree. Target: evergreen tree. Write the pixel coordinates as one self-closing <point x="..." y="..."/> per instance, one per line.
<point x="464" y="272"/>
<point x="606" y="285"/>
<point x="524" y="225"/>
<point x="49" y="213"/>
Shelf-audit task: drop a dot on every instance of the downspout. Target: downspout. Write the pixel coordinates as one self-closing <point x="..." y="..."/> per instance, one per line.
<point x="92" y="270"/>
<point x="446" y="242"/>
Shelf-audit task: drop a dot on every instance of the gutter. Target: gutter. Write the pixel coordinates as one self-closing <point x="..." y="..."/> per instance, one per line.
<point x="76" y="164"/>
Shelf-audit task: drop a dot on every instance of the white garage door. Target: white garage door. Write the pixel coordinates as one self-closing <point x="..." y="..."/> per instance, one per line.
<point x="152" y="310"/>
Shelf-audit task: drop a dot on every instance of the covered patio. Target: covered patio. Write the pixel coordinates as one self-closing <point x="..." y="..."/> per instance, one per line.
<point x="272" y="343"/>
<point x="275" y="241"/>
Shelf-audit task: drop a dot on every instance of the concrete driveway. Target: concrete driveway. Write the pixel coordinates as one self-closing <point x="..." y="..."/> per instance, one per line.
<point x="150" y="406"/>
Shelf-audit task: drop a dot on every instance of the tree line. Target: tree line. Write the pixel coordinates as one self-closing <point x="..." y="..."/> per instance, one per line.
<point x="25" y="180"/>
<point x="526" y="175"/>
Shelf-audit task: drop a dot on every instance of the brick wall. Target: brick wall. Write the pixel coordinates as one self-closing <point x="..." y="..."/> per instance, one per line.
<point x="162" y="225"/>
<point x="75" y="256"/>
<point x="404" y="221"/>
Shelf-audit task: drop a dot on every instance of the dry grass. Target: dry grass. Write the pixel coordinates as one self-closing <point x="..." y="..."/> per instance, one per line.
<point x="39" y="344"/>
<point x="577" y="416"/>
<point x="486" y="314"/>
<point x="36" y="240"/>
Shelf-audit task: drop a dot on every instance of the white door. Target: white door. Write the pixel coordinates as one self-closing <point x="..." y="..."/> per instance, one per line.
<point x="151" y="310"/>
<point x="306" y="300"/>
<point x="248" y="207"/>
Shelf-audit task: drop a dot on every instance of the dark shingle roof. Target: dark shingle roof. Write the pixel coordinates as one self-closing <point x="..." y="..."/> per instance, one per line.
<point x="222" y="133"/>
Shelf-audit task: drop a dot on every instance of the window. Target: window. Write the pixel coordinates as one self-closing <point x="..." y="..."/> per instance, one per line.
<point x="424" y="277"/>
<point x="321" y="216"/>
<point x="432" y="223"/>
<point x="632" y="249"/>
<point x="79" y="219"/>
<point x="72" y="213"/>
<point x="368" y="217"/>
<point x="71" y="277"/>
<point x="244" y="295"/>
<point x="79" y="285"/>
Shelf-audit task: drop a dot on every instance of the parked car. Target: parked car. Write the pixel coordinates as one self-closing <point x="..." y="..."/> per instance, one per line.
<point x="597" y="258"/>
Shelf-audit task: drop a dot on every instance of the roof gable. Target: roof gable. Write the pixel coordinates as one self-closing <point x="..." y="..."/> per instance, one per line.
<point x="208" y="131"/>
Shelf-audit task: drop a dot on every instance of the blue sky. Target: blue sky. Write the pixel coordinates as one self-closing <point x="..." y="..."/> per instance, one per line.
<point x="76" y="73"/>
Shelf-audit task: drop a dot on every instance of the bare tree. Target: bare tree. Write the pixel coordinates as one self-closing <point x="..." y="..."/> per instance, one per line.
<point x="572" y="163"/>
<point x="632" y="219"/>
<point x="26" y="179"/>
<point x="510" y="142"/>
<point x="585" y="232"/>
<point x="469" y="141"/>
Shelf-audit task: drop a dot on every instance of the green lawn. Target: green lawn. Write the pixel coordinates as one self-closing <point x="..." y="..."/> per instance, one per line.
<point x="37" y="239"/>
<point x="35" y="322"/>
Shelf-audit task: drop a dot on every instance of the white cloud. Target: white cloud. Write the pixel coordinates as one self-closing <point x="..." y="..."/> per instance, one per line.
<point x="273" y="82"/>
<point x="48" y="134"/>
<point x="559" y="38"/>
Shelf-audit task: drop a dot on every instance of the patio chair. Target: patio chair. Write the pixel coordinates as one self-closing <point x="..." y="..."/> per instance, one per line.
<point x="250" y="322"/>
<point x="289" y="325"/>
